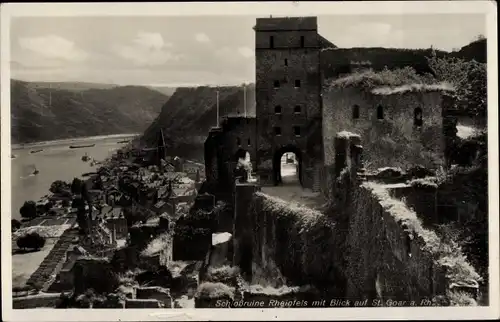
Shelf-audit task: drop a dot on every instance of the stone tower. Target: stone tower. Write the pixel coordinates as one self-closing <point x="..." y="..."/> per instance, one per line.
<point x="288" y="93"/>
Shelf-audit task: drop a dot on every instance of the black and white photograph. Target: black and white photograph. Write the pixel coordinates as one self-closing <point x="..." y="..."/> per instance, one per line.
<point x="253" y="160"/>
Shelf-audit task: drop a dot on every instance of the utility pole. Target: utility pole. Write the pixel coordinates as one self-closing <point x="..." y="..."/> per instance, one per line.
<point x="217" y="106"/>
<point x="245" y="98"/>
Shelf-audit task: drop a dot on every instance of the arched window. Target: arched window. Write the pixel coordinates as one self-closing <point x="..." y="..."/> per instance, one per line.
<point x="380" y="112"/>
<point x="277" y="109"/>
<point x="417" y="117"/>
<point x="238" y="141"/>
<point x="355" y="112"/>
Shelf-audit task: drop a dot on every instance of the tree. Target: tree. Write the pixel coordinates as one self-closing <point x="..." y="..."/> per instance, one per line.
<point x="15" y="224"/>
<point x="469" y="79"/>
<point x="59" y="186"/>
<point x="31" y="241"/>
<point x="28" y="210"/>
<point x="65" y="203"/>
<point x="76" y="186"/>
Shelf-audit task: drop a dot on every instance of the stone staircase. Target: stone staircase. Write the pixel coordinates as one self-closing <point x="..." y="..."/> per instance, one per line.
<point x="45" y="273"/>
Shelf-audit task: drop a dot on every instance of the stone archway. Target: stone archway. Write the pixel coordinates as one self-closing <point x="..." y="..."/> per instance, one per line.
<point x="278" y="154"/>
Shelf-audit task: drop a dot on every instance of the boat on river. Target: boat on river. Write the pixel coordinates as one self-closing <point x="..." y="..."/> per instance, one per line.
<point x="86" y="157"/>
<point x="124" y="141"/>
<point x="81" y="146"/>
<point x="36" y="151"/>
<point x="35" y="171"/>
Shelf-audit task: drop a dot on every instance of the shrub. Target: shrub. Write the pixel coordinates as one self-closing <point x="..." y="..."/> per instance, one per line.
<point x="59" y="186"/>
<point x="31" y="240"/>
<point x="28" y="210"/>
<point x="15" y="224"/>
<point x="225" y="274"/>
<point x="209" y="290"/>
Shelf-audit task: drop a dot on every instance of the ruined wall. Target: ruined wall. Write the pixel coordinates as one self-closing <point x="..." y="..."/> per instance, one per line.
<point x="390" y="254"/>
<point x="35" y="301"/>
<point x="369" y="246"/>
<point x="393" y="140"/>
<point x="240" y="133"/>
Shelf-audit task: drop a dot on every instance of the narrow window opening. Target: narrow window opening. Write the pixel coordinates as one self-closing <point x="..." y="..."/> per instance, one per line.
<point x="277" y="109"/>
<point x="286" y="62"/>
<point x="271" y="41"/>
<point x="296" y="130"/>
<point x="277" y="130"/>
<point x="302" y="41"/>
<point x="380" y="112"/>
<point x="238" y="141"/>
<point x="355" y="112"/>
<point x="297" y="109"/>
<point x="248" y="142"/>
<point x="417" y="117"/>
<point x="276" y="83"/>
<point x="297" y="83"/>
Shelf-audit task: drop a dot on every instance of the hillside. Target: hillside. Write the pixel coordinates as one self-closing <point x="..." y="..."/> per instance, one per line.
<point x="70" y="86"/>
<point x="190" y="113"/>
<point x="77" y="111"/>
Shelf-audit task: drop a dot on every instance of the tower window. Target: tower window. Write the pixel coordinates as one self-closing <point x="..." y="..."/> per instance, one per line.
<point x="277" y="130"/>
<point x="248" y="142"/>
<point x="297" y="83"/>
<point x="355" y="112"/>
<point x="286" y="62"/>
<point x="276" y="84"/>
<point x="296" y="130"/>
<point x="238" y="141"/>
<point x="417" y="117"/>
<point x="271" y="41"/>
<point x="277" y="109"/>
<point x="302" y="41"/>
<point x="380" y="112"/>
<point x="296" y="110"/>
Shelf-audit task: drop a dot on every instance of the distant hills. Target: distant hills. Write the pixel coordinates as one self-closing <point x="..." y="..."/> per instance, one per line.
<point x="49" y="111"/>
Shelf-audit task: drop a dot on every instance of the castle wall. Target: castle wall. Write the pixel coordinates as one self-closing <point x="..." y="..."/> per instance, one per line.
<point x="371" y="246"/>
<point x="394" y="140"/>
<point x="240" y="133"/>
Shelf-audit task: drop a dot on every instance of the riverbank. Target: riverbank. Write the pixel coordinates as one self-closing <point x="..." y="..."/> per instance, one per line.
<point x="21" y="146"/>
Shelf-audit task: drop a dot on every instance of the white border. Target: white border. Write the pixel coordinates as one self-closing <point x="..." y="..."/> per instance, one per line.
<point x="262" y="9"/>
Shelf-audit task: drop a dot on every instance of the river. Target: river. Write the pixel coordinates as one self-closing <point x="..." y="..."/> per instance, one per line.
<point x="56" y="162"/>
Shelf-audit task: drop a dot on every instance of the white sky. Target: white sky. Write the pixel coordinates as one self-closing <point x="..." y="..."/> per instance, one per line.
<point x="198" y="50"/>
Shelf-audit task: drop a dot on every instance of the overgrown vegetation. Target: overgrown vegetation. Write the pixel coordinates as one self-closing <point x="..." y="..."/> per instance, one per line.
<point x="157" y="245"/>
<point x="470" y="80"/>
<point x="393" y="78"/>
<point x="224" y="274"/>
<point x="209" y="290"/>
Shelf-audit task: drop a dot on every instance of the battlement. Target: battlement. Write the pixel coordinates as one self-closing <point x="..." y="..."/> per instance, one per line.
<point x="287" y="24"/>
